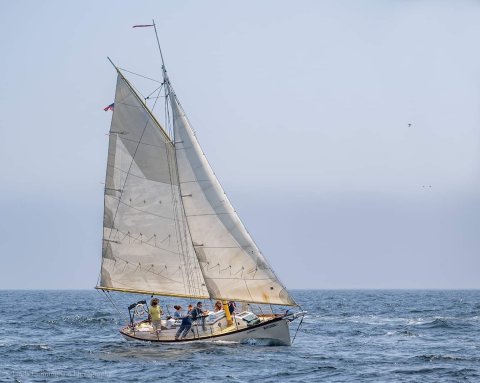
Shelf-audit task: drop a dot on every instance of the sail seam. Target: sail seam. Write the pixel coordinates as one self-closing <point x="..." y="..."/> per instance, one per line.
<point x="137" y="209"/>
<point x="139" y="266"/>
<point x="135" y="175"/>
<point x="141" y="243"/>
<point x="141" y="143"/>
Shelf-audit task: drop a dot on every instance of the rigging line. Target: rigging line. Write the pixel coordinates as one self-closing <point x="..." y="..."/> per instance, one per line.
<point x="188" y="237"/>
<point x="159" y="89"/>
<point x="111" y="301"/>
<point x="156" y="99"/>
<point x="194" y="279"/>
<point x="175" y="212"/>
<point x="103" y="293"/>
<point x="298" y="328"/>
<point x="186" y="275"/>
<point x="199" y="275"/>
<point x="169" y="115"/>
<point x="137" y="74"/>
<point x="248" y="290"/>
<point x="137" y="90"/>
<point x="137" y="97"/>
<point x="131" y="162"/>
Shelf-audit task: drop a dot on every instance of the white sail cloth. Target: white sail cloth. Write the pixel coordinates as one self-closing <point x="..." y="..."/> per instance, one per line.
<point x="146" y="244"/>
<point x="233" y="267"/>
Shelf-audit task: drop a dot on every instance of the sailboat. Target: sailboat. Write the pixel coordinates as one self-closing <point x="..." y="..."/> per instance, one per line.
<point x="169" y="230"/>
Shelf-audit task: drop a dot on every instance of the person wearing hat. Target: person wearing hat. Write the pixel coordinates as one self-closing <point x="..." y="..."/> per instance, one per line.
<point x="155" y="313"/>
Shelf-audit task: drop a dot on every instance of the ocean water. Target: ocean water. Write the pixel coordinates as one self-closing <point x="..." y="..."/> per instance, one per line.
<point x="347" y="336"/>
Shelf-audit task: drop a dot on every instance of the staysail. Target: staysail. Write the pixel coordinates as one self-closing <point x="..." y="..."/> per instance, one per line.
<point x="232" y="265"/>
<point x="146" y="243"/>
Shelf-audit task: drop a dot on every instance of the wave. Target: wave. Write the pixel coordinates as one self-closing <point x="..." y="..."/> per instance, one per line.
<point x="82" y="320"/>
<point x="408" y="333"/>
<point x="440" y="357"/>
<point x="419" y="311"/>
<point x="436" y="357"/>
<point x="435" y="323"/>
<point x="26" y="347"/>
<point x="439" y="323"/>
<point x="417" y="371"/>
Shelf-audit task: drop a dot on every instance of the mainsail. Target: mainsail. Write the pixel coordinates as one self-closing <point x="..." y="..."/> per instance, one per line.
<point x="232" y="265"/>
<point x="146" y="243"/>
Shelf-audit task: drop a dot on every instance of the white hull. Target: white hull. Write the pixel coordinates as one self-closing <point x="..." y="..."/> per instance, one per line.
<point x="275" y="331"/>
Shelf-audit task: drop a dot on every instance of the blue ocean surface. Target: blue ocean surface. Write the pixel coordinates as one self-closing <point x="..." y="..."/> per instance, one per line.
<point x="347" y="336"/>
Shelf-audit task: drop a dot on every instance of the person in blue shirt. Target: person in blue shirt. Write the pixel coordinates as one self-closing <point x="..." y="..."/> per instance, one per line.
<point x="177" y="314"/>
<point x="184" y="327"/>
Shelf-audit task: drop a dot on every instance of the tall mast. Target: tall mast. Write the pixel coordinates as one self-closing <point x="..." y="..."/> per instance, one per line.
<point x="166" y="81"/>
<point x="164" y="70"/>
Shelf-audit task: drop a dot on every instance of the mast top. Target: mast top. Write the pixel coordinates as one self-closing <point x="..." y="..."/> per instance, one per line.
<point x="164" y="70"/>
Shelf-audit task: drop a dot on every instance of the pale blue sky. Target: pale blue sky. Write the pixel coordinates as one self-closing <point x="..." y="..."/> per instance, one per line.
<point x="302" y="109"/>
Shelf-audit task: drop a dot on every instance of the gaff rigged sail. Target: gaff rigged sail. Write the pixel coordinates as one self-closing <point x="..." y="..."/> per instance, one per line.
<point x="146" y="244"/>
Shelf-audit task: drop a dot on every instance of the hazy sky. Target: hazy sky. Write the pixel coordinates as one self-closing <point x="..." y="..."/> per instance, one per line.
<point x="303" y="109"/>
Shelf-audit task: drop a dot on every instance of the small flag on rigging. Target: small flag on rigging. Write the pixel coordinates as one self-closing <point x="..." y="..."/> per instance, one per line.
<point x="110" y="107"/>
<point x="142" y="25"/>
